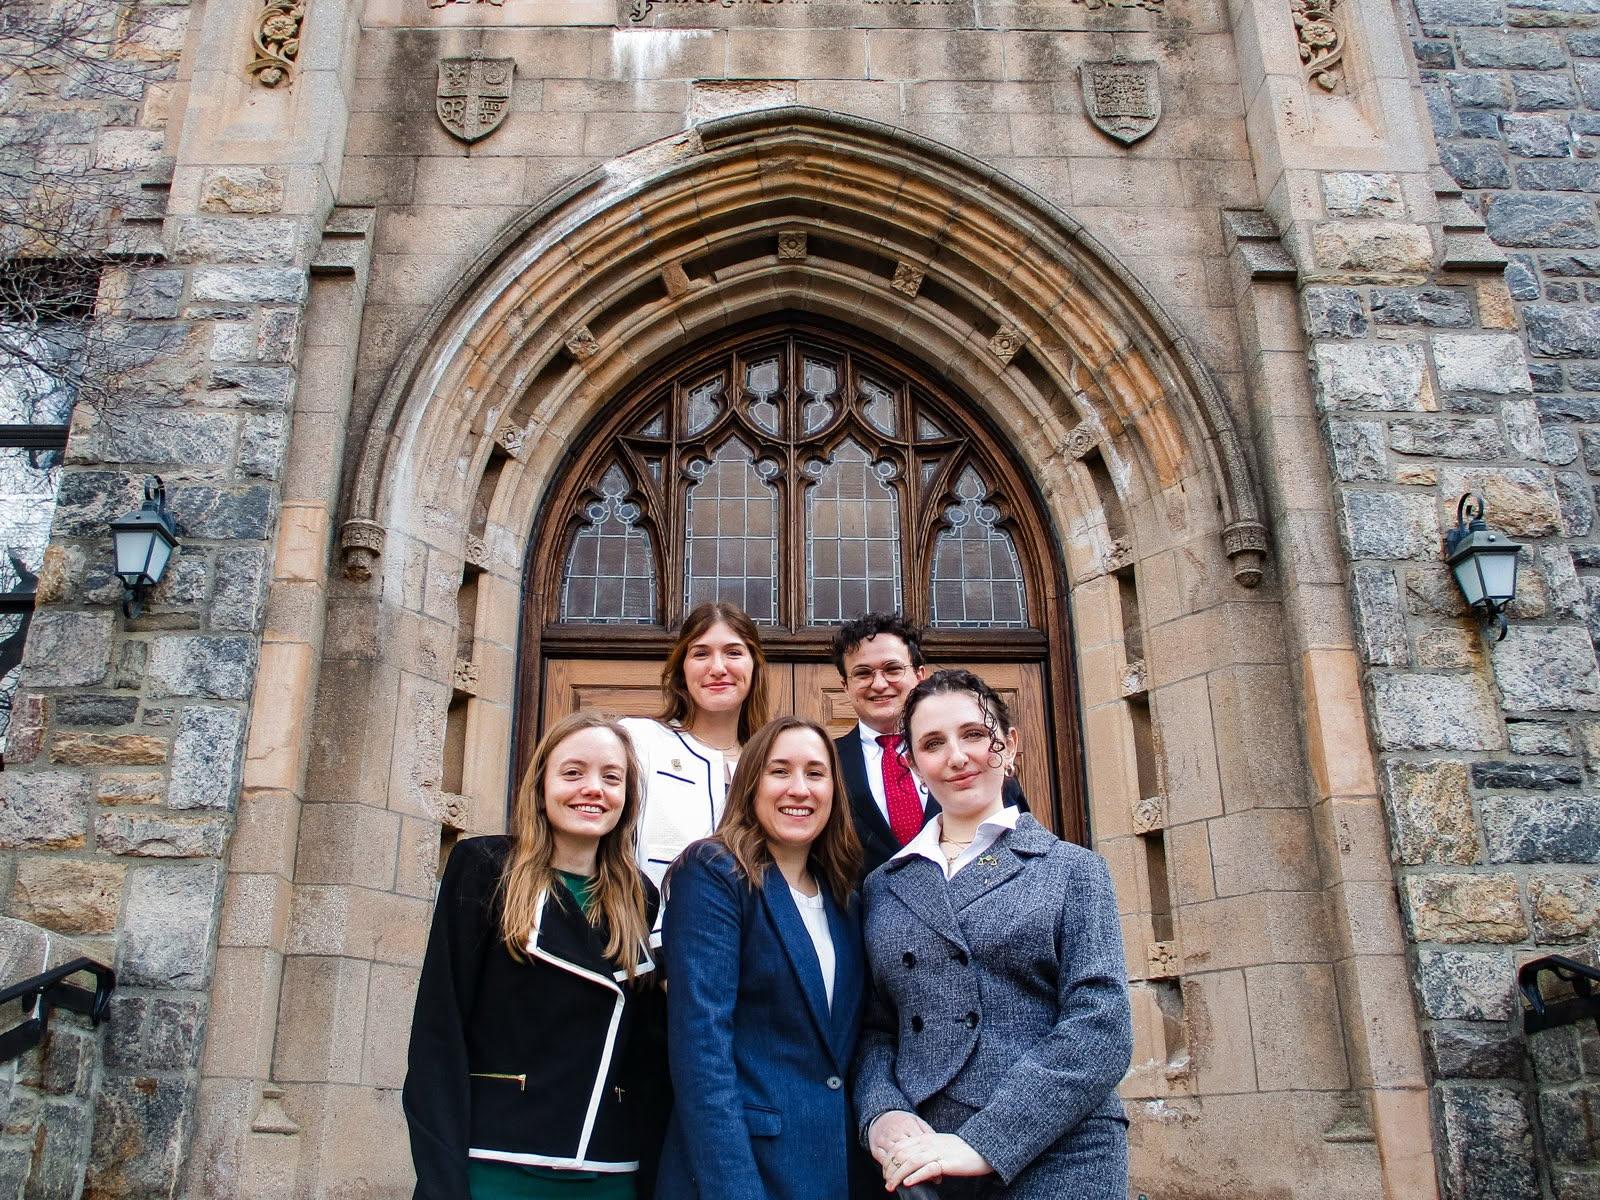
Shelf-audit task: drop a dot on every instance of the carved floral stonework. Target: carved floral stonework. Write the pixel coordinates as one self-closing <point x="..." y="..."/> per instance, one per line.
<point x="1150" y="815"/>
<point x="451" y="810"/>
<point x="907" y="279"/>
<point x="1135" y="679"/>
<point x="581" y="344"/>
<point x="1081" y="440"/>
<point x="1005" y="343"/>
<point x="1321" y="44"/>
<point x="474" y="95"/>
<point x="464" y="678"/>
<point x="277" y="40"/>
<point x="1163" y="960"/>
<point x="1119" y="555"/>
<point x="1122" y="99"/>
<point x="511" y="438"/>
<point x="791" y="245"/>
<point x="477" y="553"/>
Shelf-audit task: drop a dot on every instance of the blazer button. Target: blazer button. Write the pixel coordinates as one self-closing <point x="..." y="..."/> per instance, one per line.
<point x="916" y="1024"/>
<point x="970" y="1020"/>
<point x="834" y="1083"/>
<point x="909" y="959"/>
<point x="960" y="956"/>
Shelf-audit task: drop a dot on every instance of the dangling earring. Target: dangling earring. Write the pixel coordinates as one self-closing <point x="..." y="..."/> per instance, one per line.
<point x="1011" y="769"/>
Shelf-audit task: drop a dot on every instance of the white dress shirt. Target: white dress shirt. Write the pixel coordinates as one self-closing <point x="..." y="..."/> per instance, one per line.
<point x="814" y="912"/>
<point x="873" y="753"/>
<point x="988" y="833"/>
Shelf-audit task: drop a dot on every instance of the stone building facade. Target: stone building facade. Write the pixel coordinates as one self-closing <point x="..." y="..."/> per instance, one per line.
<point x="1247" y="294"/>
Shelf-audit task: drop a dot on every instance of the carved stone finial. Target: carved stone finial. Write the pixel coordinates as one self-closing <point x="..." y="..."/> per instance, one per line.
<point x="1005" y="343"/>
<point x="277" y="39"/>
<point x="361" y="542"/>
<point x="1321" y="44"/>
<point x="907" y="279"/>
<point x="791" y="245"/>
<point x="581" y="344"/>
<point x="1245" y="544"/>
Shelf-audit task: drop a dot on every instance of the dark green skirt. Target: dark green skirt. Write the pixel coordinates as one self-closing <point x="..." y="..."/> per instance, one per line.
<point x="490" y="1180"/>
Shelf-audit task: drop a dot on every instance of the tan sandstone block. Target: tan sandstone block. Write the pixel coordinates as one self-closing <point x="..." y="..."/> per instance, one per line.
<point x="1403" y="1126"/>
<point x="1336" y="727"/>
<point x="244" y="1012"/>
<point x="97" y="749"/>
<point x="68" y="896"/>
<point x="1464" y="908"/>
<point x="275" y="755"/>
<point x="302" y="544"/>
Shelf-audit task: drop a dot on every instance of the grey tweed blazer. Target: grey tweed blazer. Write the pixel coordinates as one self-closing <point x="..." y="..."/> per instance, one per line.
<point x="1003" y="989"/>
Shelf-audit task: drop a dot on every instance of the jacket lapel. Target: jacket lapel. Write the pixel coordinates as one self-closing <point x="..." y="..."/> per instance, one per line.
<point x="846" y="929"/>
<point x="868" y="818"/>
<point x="564" y="938"/>
<point x="999" y="862"/>
<point x="798" y="946"/>
<point x="920" y="887"/>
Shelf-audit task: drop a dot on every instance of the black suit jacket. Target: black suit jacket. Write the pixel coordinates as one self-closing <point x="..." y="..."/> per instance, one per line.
<point x="878" y="842"/>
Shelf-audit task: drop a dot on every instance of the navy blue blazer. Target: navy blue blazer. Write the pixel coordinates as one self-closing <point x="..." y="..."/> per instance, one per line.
<point x="758" y="1060"/>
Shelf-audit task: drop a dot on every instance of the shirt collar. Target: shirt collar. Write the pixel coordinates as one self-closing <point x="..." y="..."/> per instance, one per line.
<point x="926" y="843"/>
<point x="869" y="736"/>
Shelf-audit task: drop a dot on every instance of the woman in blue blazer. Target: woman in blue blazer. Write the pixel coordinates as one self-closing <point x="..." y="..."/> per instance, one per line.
<point x="999" y="1027"/>
<point x="762" y="944"/>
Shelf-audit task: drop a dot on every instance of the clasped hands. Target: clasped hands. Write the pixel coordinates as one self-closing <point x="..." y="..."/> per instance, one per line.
<point x="910" y="1152"/>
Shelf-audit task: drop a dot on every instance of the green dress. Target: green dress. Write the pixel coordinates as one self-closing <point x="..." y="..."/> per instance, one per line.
<point x="489" y="1180"/>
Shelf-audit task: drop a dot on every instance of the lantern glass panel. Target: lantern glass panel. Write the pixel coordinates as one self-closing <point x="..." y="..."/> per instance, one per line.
<point x="135" y="549"/>
<point x="1498" y="569"/>
<point x="1469" y="580"/>
<point x="160" y="552"/>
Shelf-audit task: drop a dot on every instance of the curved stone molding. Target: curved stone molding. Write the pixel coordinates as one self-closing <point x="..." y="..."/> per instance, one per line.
<point x="1100" y="350"/>
<point x="277" y="39"/>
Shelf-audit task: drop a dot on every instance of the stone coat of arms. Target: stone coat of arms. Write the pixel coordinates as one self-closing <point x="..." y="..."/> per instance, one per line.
<point x="474" y="95"/>
<point x="1123" y="99"/>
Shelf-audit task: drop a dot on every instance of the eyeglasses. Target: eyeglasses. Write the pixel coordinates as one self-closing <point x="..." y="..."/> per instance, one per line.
<point x="892" y="673"/>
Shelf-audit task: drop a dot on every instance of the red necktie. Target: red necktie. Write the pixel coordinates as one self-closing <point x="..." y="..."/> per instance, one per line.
<point x="905" y="806"/>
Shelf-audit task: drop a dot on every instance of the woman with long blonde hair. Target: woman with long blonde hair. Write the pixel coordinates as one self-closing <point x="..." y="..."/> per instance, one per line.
<point x="533" y="1069"/>
<point x="714" y="696"/>
<point x="763" y="947"/>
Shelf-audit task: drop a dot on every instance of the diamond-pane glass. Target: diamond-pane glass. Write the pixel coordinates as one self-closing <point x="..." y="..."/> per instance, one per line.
<point x="731" y="533"/>
<point x="611" y="568"/>
<point x="852" y="538"/>
<point x="977" y="576"/>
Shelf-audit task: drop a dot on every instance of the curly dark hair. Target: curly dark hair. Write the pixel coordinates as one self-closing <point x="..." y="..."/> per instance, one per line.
<point x="996" y="714"/>
<point x="869" y="625"/>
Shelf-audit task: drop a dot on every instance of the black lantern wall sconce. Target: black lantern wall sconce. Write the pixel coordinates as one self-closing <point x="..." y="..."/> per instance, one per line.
<point x="143" y="543"/>
<point x="1484" y="562"/>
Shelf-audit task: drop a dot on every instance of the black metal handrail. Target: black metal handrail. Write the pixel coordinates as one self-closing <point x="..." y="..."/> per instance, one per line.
<point x="1585" y="1006"/>
<point x="49" y="990"/>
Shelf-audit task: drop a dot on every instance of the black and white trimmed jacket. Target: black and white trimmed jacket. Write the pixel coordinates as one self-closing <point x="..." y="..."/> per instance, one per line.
<point x="555" y="1062"/>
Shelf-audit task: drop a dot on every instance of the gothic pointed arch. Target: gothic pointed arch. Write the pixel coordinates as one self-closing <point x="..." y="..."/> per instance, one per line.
<point x="838" y="216"/>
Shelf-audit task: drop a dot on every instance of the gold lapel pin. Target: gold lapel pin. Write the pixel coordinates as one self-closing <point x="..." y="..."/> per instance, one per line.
<point x="989" y="860"/>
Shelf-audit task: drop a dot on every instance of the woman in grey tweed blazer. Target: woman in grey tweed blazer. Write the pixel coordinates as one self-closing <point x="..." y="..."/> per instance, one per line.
<point x="999" y="1025"/>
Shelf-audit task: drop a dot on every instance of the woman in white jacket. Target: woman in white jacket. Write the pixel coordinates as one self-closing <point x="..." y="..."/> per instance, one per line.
<point x="714" y="691"/>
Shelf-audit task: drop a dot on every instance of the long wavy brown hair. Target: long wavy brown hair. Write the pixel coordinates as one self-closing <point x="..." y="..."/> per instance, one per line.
<point x="679" y="709"/>
<point x="835" y="860"/>
<point x="618" y="899"/>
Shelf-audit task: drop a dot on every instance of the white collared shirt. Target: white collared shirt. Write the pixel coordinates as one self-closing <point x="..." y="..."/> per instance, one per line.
<point x="988" y="833"/>
<point x="814" y="914"/>
<point x="873" y="754"/>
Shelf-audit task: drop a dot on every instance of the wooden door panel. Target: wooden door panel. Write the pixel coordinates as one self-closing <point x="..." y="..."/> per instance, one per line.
<point x="630" y="688"/>
<point x="819" y="696"/>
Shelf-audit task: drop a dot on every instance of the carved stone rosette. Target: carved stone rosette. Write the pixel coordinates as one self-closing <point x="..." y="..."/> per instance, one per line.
<point x="907" y="279"/>
<point x="1150" y="815"/>
<point x="1135" y="679"/>
<point x="361" y="543"/>
<point x="791" y="245"/>
<point x="1005" y="343"/>
<point x="464" y="677"/>
<point x="476" y="553"/>
<point x="1163" y="960"/>
<point x="1321" y="44"/>
<point x="277" y="39"/>
<point x="581" y="344"/>
<point x="1080" y="441"/>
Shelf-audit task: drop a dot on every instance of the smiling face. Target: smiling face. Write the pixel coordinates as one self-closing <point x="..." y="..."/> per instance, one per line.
<point x="585" y="785"/>
<point x="878" y="676"/>
<point x="718" y="669"/>
<point x="794" y="795"/>
<point x="953" y="750"/>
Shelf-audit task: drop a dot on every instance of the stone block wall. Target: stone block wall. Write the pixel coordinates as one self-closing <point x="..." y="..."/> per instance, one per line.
<point x="1566" y="1072"/>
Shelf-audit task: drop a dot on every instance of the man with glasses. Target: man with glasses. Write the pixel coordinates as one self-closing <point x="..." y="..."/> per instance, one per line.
<point x="879" y="657"/>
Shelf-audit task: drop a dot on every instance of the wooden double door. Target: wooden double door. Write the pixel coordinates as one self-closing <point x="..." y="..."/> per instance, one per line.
<point x="632" y="688"/>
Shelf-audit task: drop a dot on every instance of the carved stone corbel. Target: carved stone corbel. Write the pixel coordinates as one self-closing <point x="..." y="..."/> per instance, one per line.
<point x="361" y="544"/>
<point x="1245" y="544"/>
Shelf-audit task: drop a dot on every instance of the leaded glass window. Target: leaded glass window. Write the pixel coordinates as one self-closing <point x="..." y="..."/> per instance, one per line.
<point x="731" y="532"/>
<point x="802" y="478"/>
<point x="852" y="537"/>
<point x="611" y="567"/>
<point x="977" y="576"/>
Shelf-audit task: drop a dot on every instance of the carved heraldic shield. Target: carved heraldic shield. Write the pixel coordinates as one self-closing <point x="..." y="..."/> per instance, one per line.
<point x="474" y="95"/>
<point x="1123" y="99"/>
